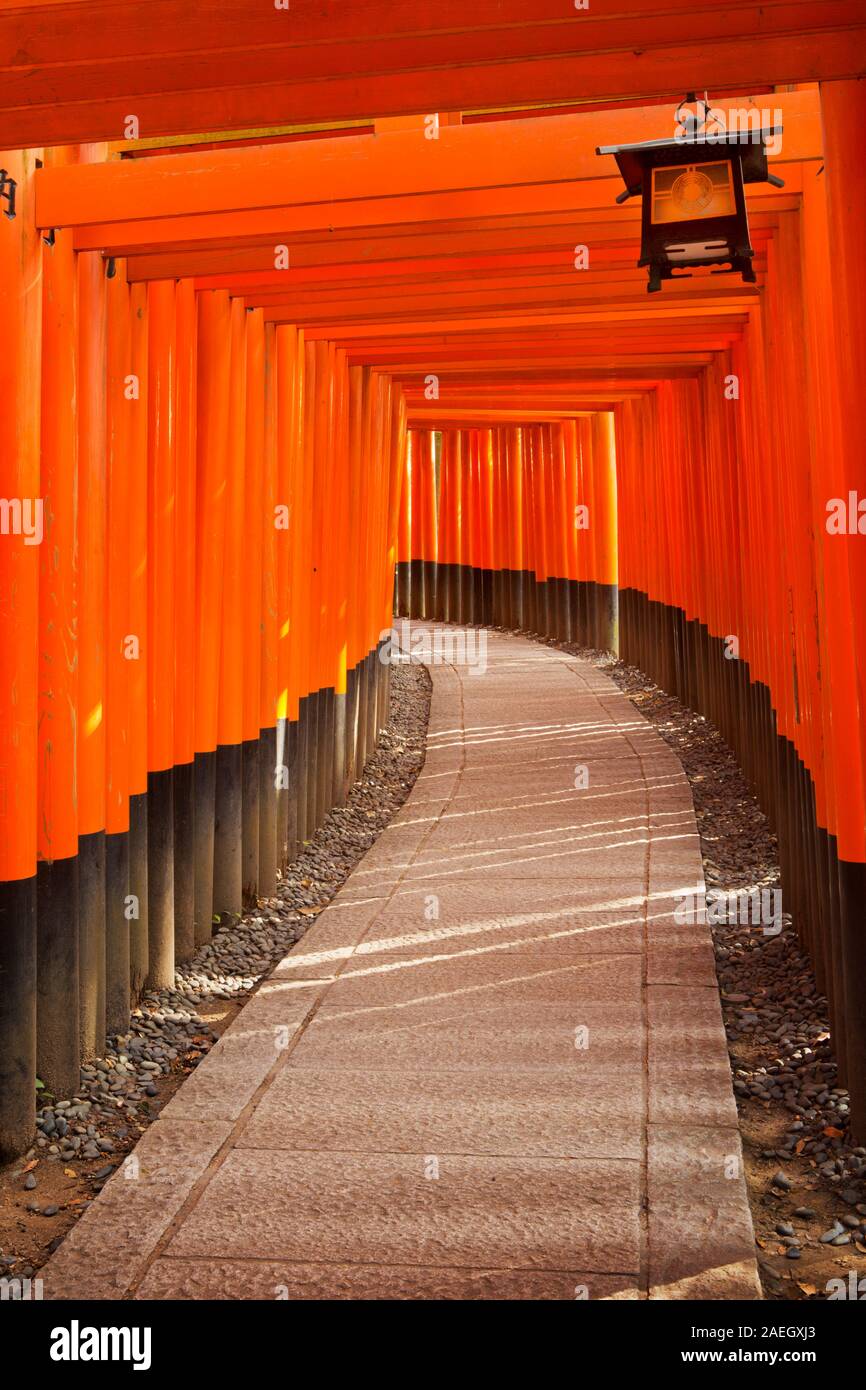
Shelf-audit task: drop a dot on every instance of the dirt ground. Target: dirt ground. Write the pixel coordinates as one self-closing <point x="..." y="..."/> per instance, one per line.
<point x="27" y="1237"/>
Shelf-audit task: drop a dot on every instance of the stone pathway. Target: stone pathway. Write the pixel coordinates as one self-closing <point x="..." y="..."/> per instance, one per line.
<point x="494" y="1067"/>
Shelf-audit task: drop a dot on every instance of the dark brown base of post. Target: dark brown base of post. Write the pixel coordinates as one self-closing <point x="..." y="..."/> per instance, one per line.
<point x="183" y="794"/>
<point x="117" y="923"/>
<point x="91" y="944"/>
<point x="17" y="1016"/>
<point x="57" y="1031"/>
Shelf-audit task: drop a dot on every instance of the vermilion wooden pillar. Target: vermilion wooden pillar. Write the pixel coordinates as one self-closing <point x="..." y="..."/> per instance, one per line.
<point x="161" y="572"/>
<point x="135" y="387"/>
<point x="228" y="816"/>
<point x="290" y="579"/>
<point x="92" y="502"/>
<point x="122" y="652"/>
<point x="212" y="403"/>
<point x="254" y="466"/>
<point x="185" y="544"/>
<point x="21" y="312"/>
<point x="843" y="107"/>
<point x="268" y="691"/>
<point x="57" y="876"/>
<point x="604" y="524"/>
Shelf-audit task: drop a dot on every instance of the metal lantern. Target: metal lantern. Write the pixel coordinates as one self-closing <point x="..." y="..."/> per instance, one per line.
<point x="694" y="205"/>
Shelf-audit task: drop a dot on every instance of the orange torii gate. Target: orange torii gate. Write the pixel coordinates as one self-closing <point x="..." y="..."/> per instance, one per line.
<point x="72" y="75"/>
<point x="219" y="434"/>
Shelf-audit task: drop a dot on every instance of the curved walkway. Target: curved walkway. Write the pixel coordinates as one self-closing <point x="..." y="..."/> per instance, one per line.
<point x="494" y="1067"/>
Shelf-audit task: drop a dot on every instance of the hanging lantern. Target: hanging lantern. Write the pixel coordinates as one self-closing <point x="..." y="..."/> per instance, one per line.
<point x="694" y="205"/>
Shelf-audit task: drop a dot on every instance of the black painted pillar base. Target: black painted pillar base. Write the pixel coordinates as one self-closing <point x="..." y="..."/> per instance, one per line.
<point x="117" y="925"/>
<point x="160" y="879"/>
<point x="283" y="791"/>
<point x="418" y="597"/>
<point x="352" y="705"/>
<point x="268" y="816"/>
<point x="375" y="674"/>
<point x="250" y="822"/>
<point x="184" y="861"/>
<point x="302" y="762"/>
<point x="57" y="1033"/>
<point x="340" y="785"/>
<point x="403" y="589"/>
<point x="314" y="736"/>
<point x="228" y="833"/>
<point x="325" y="761"/>
<point x="852" y="912"/>
<point x="294" y="777"/>
<point x="608" y="617"/>
<point x="431" y="598"/>
<point x="204" y="797"/>
<point x="17" y="1016"/>
<point x="91" y="944"/>
<point x="138" y="907"/>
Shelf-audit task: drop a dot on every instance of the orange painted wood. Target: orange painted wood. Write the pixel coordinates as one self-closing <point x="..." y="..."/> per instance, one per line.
<point x="58" y="555"/>
<point x="92" y="541"/>
<point x="21" y="308"/>
<point x="186" y="539"/>
<point x="212" y="445"/>
<point x="162" y="513"/>
<point x="122" y="650"/>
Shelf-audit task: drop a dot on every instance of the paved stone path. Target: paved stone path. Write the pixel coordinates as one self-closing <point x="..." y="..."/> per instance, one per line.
<point x="494" y="1067"/>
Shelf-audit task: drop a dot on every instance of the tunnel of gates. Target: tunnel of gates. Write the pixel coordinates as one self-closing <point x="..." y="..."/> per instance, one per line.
<point x="263" y="388"/>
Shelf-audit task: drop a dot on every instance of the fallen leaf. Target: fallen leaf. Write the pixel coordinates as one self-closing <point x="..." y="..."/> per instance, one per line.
<point x="28" y="1167"/>
<point x="832" y="1133"/>
<point x="807" y="1288"/>
<point x="70" y="1173"/>
<point x="799" y="1146"/>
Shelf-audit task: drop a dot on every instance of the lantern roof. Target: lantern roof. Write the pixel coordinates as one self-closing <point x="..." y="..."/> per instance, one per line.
<point x="634" y="160"/>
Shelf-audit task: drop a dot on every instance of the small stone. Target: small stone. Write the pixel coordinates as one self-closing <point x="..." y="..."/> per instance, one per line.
<point x="30" y="1182"/>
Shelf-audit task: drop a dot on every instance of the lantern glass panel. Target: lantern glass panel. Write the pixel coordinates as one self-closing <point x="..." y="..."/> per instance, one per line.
<point x="689" y="192"/>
